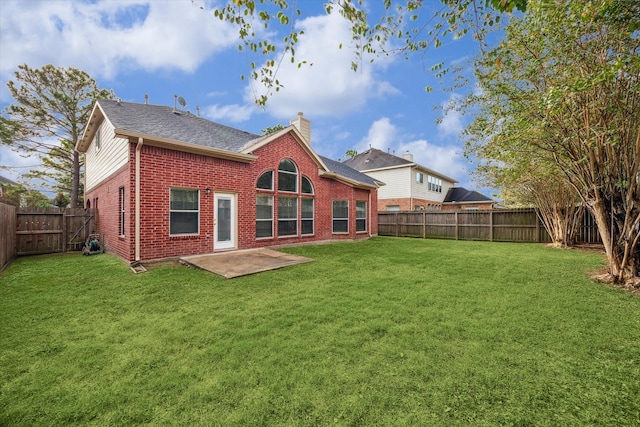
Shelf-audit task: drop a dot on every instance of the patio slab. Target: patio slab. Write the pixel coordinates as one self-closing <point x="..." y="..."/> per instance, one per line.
<point x="241" y="263"/>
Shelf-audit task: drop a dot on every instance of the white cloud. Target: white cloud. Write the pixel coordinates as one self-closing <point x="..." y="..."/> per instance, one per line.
<point x="447" y="160"/>
<point x="326" y="86"/>
<point x="233" y="113"/>
<point x="106" y="36"/>
<point x="381" y="135"/>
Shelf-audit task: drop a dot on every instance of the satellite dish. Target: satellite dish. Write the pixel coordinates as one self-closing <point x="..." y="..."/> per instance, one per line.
<point x="181" y="101"/>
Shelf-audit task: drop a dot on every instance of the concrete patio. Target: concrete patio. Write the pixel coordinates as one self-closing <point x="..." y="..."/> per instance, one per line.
<point x="241" y="263"/>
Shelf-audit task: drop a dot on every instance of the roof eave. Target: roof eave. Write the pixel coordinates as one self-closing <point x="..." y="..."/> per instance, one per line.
<point x="350" y="182"/>
<point x="188" y="147"/>
<point x="95" y="118"/>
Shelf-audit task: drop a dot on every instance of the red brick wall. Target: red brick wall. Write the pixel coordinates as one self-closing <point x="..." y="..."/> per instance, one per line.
<point x="463" y="206"/>
<point x="107" y="197"/>
<point x="407" y="204"/>
<point x="162" y="169"/>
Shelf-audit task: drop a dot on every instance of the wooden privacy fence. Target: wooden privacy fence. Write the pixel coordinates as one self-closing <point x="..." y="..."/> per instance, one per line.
<point x="503" y="225"/>
<point x="7" y="234"/>
<point x="48" y="230"/>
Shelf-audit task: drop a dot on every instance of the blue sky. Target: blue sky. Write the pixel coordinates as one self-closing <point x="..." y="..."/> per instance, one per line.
<point x="173" y="47"/>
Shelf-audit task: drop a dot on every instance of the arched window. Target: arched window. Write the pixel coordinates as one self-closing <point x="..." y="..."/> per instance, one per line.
<point x="287" y="176"/>
<point x="307" y="187"/>
<point x="265" y="182"/>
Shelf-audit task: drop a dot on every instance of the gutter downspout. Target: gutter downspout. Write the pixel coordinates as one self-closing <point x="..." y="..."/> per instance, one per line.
<point x="370" y="215"/>
<point x="137" y="197"/>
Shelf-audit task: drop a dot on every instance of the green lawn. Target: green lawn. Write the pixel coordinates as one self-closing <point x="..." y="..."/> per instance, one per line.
<point x="387" y="332"/>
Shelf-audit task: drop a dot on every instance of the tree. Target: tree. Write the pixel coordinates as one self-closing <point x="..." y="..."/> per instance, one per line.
<point x="351" y="153"/>
<point x="272" y="129"/>
<point x="51" y="106"/>
<point x="21" y="196"/>
<point x="412" y="23"/>
<point x="564" y="84"/>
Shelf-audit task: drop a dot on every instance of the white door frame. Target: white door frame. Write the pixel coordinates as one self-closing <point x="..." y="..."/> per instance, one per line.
<point x="229" y="230"/>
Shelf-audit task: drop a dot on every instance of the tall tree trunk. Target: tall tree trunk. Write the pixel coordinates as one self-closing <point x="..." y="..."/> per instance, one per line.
<point x="75" y="182"/>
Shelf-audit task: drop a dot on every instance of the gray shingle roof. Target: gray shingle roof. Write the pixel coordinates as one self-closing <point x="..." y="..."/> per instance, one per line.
<point x="162" y="121"/>
<point x="461" y="195"/>
<point x="7" y="181"/>
<point x="375" y="159"/>
<point x="347" y="172"/>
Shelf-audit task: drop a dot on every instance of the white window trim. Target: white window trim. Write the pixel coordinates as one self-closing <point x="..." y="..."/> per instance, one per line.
<point x="265" y="220"/>
<point x="339" y="219"/>
<point x="170" y="211"/>
<point x="366" y="223"/>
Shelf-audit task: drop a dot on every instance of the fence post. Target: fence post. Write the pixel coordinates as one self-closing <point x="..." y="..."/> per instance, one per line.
<point x="397" y="225"/>
<point x="64" y="231"/>
<point x="424" y="224"/>
<point x="456" y="217"/>
<point x="491" y="225"/>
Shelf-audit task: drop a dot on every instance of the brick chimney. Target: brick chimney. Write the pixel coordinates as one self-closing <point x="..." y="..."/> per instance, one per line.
<point x="304" y="127"/>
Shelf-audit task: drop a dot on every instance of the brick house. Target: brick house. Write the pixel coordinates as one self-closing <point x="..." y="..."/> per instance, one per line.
<point x="168" y="183"/>
<point x="409" y="185"/>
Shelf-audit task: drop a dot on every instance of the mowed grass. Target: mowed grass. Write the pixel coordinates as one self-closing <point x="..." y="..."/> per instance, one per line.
<point x="387" y="332"/>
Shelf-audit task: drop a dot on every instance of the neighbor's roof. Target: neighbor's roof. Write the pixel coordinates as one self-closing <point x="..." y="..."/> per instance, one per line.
<point x="462" y="195"/>
<point x="374" y="159"/>
<point x="348" y="172"/>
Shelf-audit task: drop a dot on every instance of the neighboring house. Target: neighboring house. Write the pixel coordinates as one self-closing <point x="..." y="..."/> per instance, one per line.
<point x="168" y="183"/>
<point x="409" y="186"/>
<point x="459" y="198"/>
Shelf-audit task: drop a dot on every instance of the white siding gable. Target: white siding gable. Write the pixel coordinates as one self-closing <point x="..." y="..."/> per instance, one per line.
<point x="111" y="156"/>
<point x="398" y="182"/>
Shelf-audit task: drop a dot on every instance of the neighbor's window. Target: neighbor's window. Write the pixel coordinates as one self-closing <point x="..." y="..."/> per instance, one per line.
<point x="393" y="208"/>
<point x="264" y="216"/>
<point x="435" y="184"/>
<point x="340" y="216"/>
<point x="287" y="176"/>
<point x="184" y="211"/>
<point x="265" y="182"/>
<point x="121" y="210"/>
<point x="307" y="216"/>
<point x="419" y="177"/>
<point x="361" y="215"/>
<point x="287" y="216"/>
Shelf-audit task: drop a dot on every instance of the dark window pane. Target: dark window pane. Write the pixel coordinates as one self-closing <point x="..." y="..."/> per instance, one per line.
<point x="287" y="165"/>
<point x="307" y="226"/>
<point x="264" y="207"/>
<point x="307" y="188"/>
<point x="287" y="181"/>
<point x="287" y="228"/>
<point x="184" y="200"/>
<point x="265" y="182"/>
<point x="340" y="209"/>
<point x="264" y="229"/>
<point x="307" y="208"/>
<point x="183" y="223"/>
<point x="361" y="225"/>
<point x="287" y="208"/>
<point x="340" y="226"/>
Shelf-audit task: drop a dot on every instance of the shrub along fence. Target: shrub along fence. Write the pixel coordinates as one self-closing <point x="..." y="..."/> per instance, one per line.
<point x="8" y="226"/>
<point x="49" y="230"/>
<point x="500" y="225"/>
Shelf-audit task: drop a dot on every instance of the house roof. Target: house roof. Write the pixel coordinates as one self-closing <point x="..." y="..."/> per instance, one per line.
<point x="374" y="159"/>
<point x="7" y="181"/>
<point x="171" y="124"/>
<point x="185" y="131"/>
<point x="462" y="195"/>
<point x="349" y="173"/>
